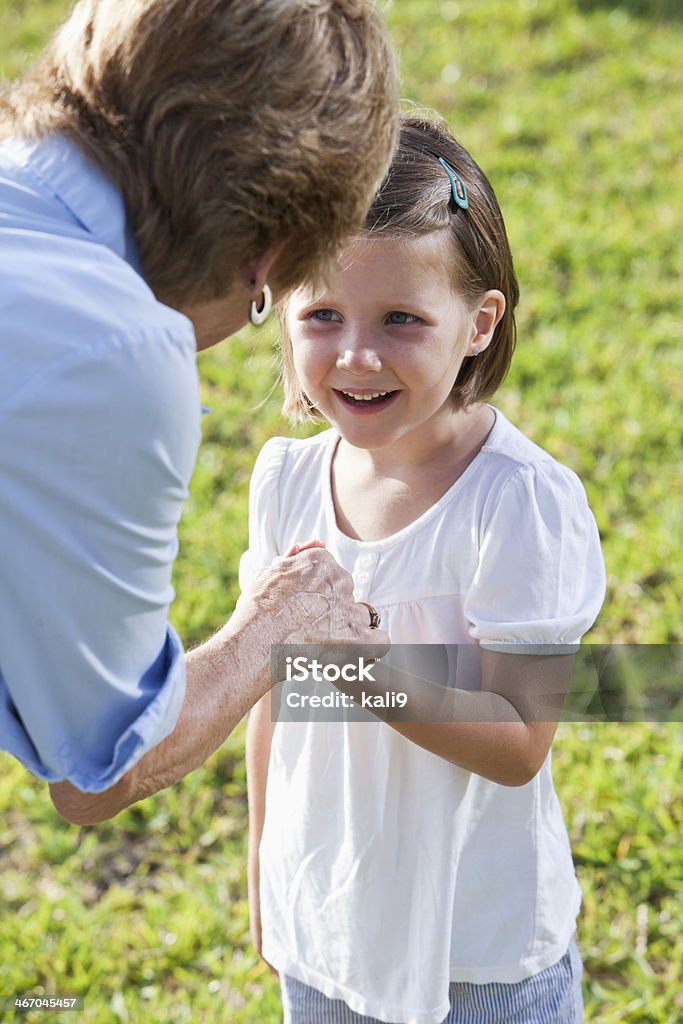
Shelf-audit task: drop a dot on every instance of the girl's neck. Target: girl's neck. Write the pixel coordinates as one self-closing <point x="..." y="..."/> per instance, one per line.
<point x="377" y="493"/>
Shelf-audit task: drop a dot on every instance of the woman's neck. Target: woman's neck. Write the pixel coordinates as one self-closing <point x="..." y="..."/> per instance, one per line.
<point x="377" y="493"/>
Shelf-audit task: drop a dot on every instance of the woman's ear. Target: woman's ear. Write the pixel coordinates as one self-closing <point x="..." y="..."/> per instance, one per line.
<point x="255" y="275"/>
<point x="486" y="317"/>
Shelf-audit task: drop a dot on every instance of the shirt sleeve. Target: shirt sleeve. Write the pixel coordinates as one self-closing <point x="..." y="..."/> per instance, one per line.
<point x="540" y="580"/>
<point x="264" y="511"/>
<point x="96" y="461"/>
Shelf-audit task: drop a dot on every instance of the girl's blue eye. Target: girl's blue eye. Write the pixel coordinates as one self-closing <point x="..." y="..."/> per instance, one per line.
<point x="325" y="315"/>
<point x="397" y="317"/>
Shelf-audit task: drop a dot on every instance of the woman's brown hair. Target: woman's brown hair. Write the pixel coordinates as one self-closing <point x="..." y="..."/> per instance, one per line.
<point x="229" y="126"/>
<point x="416" y="198"/>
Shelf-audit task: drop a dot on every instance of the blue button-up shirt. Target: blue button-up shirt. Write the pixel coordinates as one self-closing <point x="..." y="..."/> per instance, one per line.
<point x="99" y="427"/>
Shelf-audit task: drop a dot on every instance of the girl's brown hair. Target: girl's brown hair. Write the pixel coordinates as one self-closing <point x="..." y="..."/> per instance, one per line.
<point x="228" y="125"/>
<point x="415" y="199"/>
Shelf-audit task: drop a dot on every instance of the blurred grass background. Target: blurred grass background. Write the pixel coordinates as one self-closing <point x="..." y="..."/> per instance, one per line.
<point x="574" y="108"/>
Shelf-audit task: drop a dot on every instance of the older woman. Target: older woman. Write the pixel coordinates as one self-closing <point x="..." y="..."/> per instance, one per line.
<point x="166" y="169"/>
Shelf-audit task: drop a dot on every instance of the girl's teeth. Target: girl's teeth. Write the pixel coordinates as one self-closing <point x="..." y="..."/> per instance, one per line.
<point x="365" y="398"/>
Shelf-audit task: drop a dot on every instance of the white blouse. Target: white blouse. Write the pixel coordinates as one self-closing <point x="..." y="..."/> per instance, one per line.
<point x="386" y="871"/>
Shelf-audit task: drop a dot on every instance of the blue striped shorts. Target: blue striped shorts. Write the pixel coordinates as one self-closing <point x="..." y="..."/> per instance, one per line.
<point x="552" y="996"/>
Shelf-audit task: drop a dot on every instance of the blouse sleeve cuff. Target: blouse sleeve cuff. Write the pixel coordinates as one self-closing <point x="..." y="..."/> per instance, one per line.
<point x="505" y="647"/>
<point x="153" y="725"/>
<point x="166" y="678"/>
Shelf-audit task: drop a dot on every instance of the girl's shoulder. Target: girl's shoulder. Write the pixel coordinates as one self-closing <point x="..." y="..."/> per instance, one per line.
<point x="279" y="446"/>
<point x="509" y="442"/>
<point x="515" y="458"/>
<point x="289" y="460"/>
<point x="540" y="575"/>
<point x="283" y="452"/>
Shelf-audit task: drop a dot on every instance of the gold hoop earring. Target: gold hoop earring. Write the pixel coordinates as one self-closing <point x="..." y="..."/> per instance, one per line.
<point x="259" y="315"/>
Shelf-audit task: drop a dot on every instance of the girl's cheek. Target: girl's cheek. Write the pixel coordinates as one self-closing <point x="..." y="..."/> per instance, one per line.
<point x="304" y="362"/>
<point x="308" y="356"/>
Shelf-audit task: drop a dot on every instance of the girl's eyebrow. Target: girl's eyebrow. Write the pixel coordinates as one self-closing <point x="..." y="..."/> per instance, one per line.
<point x="312" y="299"/>
<point x="323" y="301"/>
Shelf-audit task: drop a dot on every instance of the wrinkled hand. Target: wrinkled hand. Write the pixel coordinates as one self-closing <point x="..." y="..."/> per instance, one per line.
<point x="308" y="599"/>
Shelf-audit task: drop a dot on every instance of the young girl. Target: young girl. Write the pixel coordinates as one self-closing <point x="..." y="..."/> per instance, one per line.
<point x="408" y="872"/>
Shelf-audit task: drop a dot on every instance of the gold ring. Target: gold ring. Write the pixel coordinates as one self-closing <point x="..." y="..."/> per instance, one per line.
<point x="375" y="617"/>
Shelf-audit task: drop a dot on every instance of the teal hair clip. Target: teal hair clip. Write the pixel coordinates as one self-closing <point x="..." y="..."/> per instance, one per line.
<point x="457" y="185"/>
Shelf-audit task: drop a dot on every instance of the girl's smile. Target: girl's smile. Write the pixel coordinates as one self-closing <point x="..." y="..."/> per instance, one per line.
<point x="366" y="402"/>
<point x="379" y="348"/>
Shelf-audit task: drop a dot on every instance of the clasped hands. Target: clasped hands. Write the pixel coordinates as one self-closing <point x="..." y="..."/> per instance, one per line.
<point x="309" y="599"/>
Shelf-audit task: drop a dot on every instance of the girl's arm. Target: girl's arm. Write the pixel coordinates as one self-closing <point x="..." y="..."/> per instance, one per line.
<point x="503" y="732"/>
<point x="259" y="738"/>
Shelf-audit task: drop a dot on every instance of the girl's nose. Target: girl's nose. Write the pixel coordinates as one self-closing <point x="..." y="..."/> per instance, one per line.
<point x="360" y="358"/>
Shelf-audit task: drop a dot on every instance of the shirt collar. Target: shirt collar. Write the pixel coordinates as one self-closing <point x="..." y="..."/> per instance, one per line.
<point x="62" y="171"/>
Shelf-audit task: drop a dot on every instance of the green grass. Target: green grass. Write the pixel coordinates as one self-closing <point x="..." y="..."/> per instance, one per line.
<point x="574" y="109"/>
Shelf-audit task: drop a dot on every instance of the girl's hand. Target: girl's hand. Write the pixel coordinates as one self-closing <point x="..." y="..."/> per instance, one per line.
<point x="306" y="546"/>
